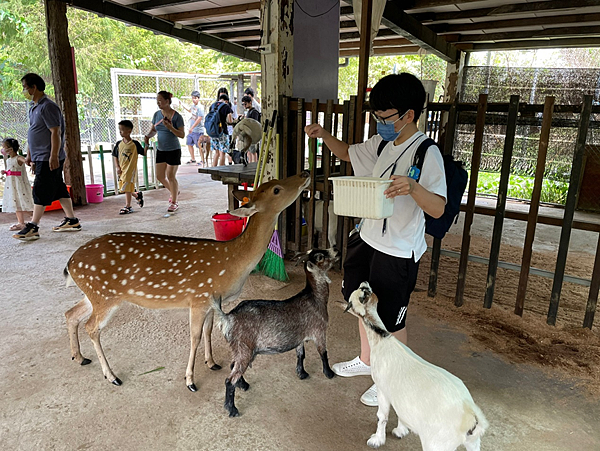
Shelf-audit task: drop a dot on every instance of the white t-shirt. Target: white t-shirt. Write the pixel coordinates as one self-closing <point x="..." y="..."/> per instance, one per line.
<point x="405" y="232"/>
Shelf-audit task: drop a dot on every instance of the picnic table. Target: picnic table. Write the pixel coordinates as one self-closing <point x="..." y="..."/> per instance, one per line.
<point x="233" y="176"/>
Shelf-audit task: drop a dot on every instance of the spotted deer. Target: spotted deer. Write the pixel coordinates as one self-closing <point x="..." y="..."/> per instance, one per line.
<point x="162" y="271"/>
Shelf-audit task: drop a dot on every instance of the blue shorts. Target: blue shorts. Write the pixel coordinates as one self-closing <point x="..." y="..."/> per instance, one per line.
<point x="192" y="139"/>
<point x="221" y="143"/>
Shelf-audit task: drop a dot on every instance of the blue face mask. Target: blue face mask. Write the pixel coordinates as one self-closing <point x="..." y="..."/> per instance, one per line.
<point x="388" y="132"/>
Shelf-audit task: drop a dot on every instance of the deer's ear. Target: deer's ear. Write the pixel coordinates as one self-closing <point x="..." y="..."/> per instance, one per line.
<point x="245" y="211"/>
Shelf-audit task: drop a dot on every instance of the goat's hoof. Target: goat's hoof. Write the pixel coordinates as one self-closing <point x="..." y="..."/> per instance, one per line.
<point x="215" y="367"/>
<point x="375" y="442"/>
<point x="399" y="432"/>
<point x="244" y="386"/>
<point x="303" y="375"/>
<point x="192" y="387"/>
<point x="329" y="374"/>
<point x="233" y="412"/>
<point x="117" y="382"/>
<point x="85" y="362"/>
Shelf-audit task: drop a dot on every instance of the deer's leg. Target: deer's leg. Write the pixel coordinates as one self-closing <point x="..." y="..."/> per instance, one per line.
<point x="237" y="374"/>
<point x="74" y="316"/>
<point x="300" y="354"/>
<point x="197" y="317"/>
<point x="322" y="349"/>
<point x="97" y="320"/>
<point x="207" y="331"/>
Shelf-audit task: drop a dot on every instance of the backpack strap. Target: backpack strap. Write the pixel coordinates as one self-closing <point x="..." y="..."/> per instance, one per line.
<point x="382" y="145"/>
<point x="420" y="155"/>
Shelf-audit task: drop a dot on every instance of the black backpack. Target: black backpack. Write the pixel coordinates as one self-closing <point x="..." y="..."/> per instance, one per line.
<point x="212" y="121"/>
<point x="456" y="183"/>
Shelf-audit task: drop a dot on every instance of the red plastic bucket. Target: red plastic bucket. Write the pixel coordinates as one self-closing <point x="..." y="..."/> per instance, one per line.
<point x="227" y="226"/>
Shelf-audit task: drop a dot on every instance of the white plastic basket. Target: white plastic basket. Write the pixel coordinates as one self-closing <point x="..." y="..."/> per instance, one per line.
<point x="361" y="197"/>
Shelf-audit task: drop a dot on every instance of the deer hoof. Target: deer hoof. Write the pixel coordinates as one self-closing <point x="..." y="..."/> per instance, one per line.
<point x="85" y="362"/>
<point x="117" y="382"/>
<point x="216" y="367"/>
<point x="192" y="387"/>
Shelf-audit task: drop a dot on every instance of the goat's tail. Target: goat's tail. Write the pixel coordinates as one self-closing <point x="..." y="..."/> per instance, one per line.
<point x="69" y="280"/>
<point x="474" y="421"/>
<point x="223" y="319"/>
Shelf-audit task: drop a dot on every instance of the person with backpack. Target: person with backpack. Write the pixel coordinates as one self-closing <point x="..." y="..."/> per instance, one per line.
<point x="215" y="124"/>
<point x="386" y="252"/>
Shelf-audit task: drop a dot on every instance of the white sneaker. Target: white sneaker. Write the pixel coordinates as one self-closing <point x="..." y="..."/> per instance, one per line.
<point x="354" y="367"/>
<point x="369" y="398"/>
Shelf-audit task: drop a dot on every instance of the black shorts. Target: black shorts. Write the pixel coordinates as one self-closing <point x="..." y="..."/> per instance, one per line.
<point x="392" y="279"/>
<point x="171" y="157"/>
<point x="48" y="185"/>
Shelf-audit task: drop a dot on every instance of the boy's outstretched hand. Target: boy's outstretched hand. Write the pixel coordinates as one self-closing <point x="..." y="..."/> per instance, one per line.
<point x="314" y="131"/>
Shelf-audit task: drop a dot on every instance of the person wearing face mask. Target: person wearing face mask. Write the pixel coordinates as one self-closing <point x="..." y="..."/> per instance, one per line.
<point x="46" y="155"/>
<point x="386" y="252"/>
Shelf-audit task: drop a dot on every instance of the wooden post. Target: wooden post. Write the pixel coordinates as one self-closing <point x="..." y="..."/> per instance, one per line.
<point x="63" y="76"/>
<point x="437" y="243"/>
<point x="325" y="166"/>
<point x="240" y="94"/>
<point x="363" y="65"/>
<point x="472" y="193"/>
<point x="590" y="309"/>
<point x="572" y="194"/>
<point x="535" y="204"/>
<point x="509" y="140"/>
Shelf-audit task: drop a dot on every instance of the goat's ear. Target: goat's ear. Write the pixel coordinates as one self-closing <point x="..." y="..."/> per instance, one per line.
<point x="311" y="266"/>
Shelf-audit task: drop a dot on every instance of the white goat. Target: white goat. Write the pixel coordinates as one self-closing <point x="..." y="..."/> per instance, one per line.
<point x="428" y="400"/>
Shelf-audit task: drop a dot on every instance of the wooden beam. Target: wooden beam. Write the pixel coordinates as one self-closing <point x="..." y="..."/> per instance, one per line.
<point x="377" y="43"/>
<point x="211" y="12"/>
<point x="356" y="35"/>
<point x="154" y="4"/>
<point x="577" y="19"/>
<point x="378" y="51"/>
<point x="519" y="8"/>
<point x="401" y="23"/>
<point x="420" y="4"/>
<point x="532" y="44"/>
<point x="160" y="26"/>
<point x="238" y="35"/>
<point x="366" y="16"/>
<point x="562" y="32"/>
<point x="226" y="24"/>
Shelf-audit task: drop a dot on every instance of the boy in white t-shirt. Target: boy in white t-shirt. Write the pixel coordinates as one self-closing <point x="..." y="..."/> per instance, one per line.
<point x="386" y="253"/>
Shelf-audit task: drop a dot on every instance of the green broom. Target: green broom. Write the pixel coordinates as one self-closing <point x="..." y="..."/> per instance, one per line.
<point x="272" y="265"/>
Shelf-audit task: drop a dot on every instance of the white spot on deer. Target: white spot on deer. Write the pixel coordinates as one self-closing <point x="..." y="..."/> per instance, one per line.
<point x="114" y="275"/>
<point x="136" y="251"/>
<point x="141" y="254"/>
<point x="113" y="263"/>
<point x="209" y="281"/>
<point x="86" y="266"/>
<point x="218" y="262"/>
<point x="184" y="255"/>
<point x="81" y="276"/>
<point x="201" y="285"/>
<point x="117" y="250"/>
<point x="127" y="271"/>
<point x="152" y="249"/>
<point x="164" y="284"/>
<point x="149" y="296"/>
<point x="170" y="270"/>
<point x="164" y="257"/>
<point x="207" y="263"/>
<point x="93" y="268"/>
<point x="157" y="256"/>
<point x="182" y="281"/>
<point x="131" y="291"/>
<point x="140" y="293"/>
<point x="103" y="271"/>
<point x="130" y="250"/>
<point x="179" y="291"/>
<point x="124" y="282"/>
<point x="173" y="296"/>
<point x="96" y="245"/>
<point x="102" y="255"/>
<point x="105" y="282"/>
<point x="227" y="259"/>
<point x="162" y="271"/>
<point x="123" y="256"/>
<point x="222" y="272"/>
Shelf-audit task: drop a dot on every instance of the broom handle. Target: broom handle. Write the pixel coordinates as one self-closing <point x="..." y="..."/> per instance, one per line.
<point x="261" y="154"/>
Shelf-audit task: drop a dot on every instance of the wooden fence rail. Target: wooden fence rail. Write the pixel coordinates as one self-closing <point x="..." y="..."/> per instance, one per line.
<point x="342" y="119"/>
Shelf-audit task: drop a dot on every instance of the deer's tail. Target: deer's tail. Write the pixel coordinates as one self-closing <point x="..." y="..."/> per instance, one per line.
<point x="69" y="280"/>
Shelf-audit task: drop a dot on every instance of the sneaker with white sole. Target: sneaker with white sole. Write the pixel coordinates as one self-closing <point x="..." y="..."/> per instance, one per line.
<point x="369" y="398"/>
<point x="68" y="225"/>
<point x="29" y="233"/>
<point x="355" y="367"/>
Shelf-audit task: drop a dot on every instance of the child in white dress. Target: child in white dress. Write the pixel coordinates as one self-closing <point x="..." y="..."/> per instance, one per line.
<point x="18" y="197"/>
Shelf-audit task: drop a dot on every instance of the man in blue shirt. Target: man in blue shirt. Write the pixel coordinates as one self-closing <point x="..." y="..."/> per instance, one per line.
<point x="46" y="155"/>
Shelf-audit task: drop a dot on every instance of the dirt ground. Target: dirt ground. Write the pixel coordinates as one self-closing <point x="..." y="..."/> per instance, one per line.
<point x="538" y="385"/>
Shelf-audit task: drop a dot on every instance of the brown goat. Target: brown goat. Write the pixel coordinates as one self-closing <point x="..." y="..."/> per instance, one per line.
<point x="272" y="327"/>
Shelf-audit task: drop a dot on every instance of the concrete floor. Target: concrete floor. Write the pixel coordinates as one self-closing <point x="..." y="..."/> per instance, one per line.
<point x="50" y="403"/>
